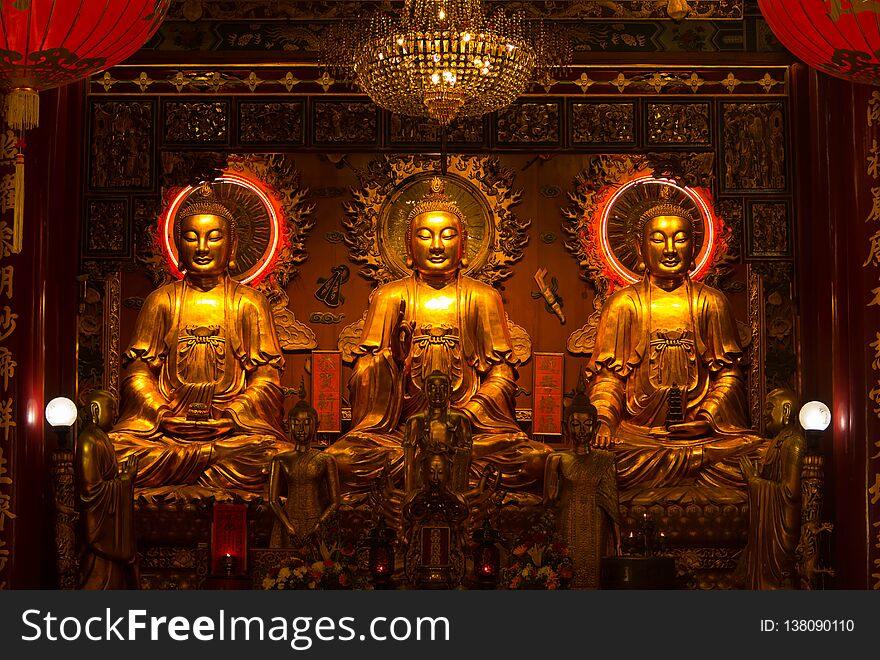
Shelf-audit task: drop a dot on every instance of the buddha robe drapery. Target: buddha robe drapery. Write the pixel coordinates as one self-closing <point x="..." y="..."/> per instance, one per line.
<point x="644" y="350"/>
<point x="217" y="348"/>
<point x="472" y="345"/>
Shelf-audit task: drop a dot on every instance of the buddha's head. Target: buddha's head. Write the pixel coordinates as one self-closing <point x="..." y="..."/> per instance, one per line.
<point x="437" y="389"/>
<point x="206" y="239"/>
<point x="779" y="411"/>
<point x="436" y="468"/>
<point x="303" y="424"/>
<point x="100" y="409"/>
<point x="579" y="421"/>
<point x="436" y="235"/>
<point x="666" y="245"/>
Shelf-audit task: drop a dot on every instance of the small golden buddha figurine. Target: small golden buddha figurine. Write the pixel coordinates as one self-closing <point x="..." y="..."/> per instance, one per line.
<point x="105" y="501"/>
<point x="307" y="478"/>
<point x="774" y="484"/>
<point x="665" y="374"/>
<point x="438" y="429"/>
<point x="437" y="319"/>
<point x="582" y="483"/>
<point x="201" y="396"/>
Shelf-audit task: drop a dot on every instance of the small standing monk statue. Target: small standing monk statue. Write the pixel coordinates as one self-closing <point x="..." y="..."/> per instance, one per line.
<point x="307" y="478"/>
<point x="582" y="483"/>
<point x="665" y="373"/>
<point x="105" y="500"/>
<point x="438" y="429"/>
<point x="774" y="484"/>
<point x="201" y="399"/>
<point x="437" y="318"/>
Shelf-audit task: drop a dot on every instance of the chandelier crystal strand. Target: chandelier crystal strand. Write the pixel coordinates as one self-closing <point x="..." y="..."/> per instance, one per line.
<point x="440" y="58"/>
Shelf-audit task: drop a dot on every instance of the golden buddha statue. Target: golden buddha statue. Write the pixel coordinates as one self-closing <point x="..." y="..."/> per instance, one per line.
<point x="201" y="395"/>
<point x="774" y="485"/>
<point x="438" y="429"/>
<point x="665" y="374"/>
<point x="105" y="501"/>
<point x="307" y="478"/>
<point x="437" y="319"/>
<point x="582" y="484"/>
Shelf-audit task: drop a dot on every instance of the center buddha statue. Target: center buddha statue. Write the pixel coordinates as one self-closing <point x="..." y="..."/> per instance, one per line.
<point x="666" y="377"/>
<point x="201" y="400"/>
<point x="436" y="319"/>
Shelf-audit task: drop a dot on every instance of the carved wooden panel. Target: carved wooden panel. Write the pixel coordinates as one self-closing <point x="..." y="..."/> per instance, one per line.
<point x="769" y="231"/>
<point x="753" y="150"/>
<point x="196" y="122"/>
<point x="602" y="123"/>
<point x="270" y="122"/>
<point x="421" y="130"/>
<point x="529" y="123"/>
<point x="121" y="152"/>
<point x="106" y="234"/>
<point x="678" y="123"/>
<point x="343" y="121"/>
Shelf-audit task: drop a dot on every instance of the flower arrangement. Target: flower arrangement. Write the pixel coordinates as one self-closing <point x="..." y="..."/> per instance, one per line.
<point x="329" y="568"/>
<point x="538" y="560"/>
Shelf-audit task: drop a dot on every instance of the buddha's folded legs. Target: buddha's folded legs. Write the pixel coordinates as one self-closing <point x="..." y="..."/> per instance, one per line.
<point x="362" y="456"/>
<point x="644" y="461"/>
<point x="244" y="464"/>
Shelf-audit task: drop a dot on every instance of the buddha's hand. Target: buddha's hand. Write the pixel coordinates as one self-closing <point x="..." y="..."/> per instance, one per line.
<point x="202" y="430"/>
<point x="401" y="334"/>
<point x="749" y="470"/>
<point x="699" y="428"/>
<point x="129" y="467"/>
<point x="603" y="439"/>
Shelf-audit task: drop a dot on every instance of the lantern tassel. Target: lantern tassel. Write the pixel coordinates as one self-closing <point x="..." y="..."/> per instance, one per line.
<point x="23" y="108"/>
<point x="18" y="204"/>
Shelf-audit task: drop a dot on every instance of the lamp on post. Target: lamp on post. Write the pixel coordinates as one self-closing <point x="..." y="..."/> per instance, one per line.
<point x="814" y="417"/>
<point x="61" y="414"/>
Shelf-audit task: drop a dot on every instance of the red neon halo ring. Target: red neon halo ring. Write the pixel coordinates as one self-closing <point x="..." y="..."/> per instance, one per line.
<point x="168" y="228"/>
<point x="706" y="250"/>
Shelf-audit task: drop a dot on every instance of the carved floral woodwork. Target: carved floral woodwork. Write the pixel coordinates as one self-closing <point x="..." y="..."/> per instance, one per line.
<point x="270" y="122"/>
<point x="121" y="144"/>
<point x="753" y="153"/>
<point x="678" y="123"/>
<point x="188" y="122"/>
<point x="602" y="123"/>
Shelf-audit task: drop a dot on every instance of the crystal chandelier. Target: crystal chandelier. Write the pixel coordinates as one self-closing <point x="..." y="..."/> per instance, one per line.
<point x="444" y="58"/>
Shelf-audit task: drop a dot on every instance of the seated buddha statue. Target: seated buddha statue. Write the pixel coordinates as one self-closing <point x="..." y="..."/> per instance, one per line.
<point x="665" y="374"/>
<point x="436" y="319"/>
<point x="201" y="399"/>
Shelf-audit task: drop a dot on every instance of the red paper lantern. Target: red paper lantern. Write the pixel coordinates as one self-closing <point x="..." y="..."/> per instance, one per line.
<point x="49" y="43"/>
<point x="839" y="37"/>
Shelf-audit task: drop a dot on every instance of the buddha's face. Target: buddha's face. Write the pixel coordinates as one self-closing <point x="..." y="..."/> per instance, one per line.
<point x="103" y="409"/>
<point x="437" y="471"/>
<point x="776" y="414"/>
<point x="436" y="244"/>
<point x="437" y="390"/>
<point x="667" y="246"/>
<point x="206" y="244"/>
<point x="581" y="428"/>
<point x="302" y="427"/>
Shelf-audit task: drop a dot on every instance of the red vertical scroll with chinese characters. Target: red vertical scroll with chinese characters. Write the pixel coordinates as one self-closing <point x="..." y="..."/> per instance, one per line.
<point x="547" y="397"/>
<point x="326" y="390"/>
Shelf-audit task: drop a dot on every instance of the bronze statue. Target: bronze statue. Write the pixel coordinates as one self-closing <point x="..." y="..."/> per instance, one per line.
<point x="105" y="500"/>
<point x="582" y="483"/>
<point x="774" y="484"/>
<point x="437" y="319"/>
<point x="201" y="396"/>
<point x="307" y="478"/>
<point x="665" y="374"/>
<point x="438" y="429"/>
<point x="435" y="523"/>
